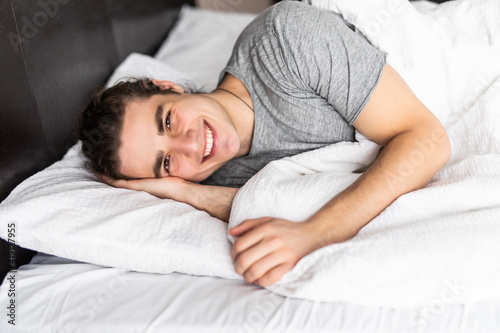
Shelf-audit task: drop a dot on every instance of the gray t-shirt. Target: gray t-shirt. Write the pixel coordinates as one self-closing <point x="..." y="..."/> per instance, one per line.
<point x="309" y="76"/>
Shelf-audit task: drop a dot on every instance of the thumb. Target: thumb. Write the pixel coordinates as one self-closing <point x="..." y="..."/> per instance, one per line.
<point x="235" y="231"/>
<point x="247" y="225"/>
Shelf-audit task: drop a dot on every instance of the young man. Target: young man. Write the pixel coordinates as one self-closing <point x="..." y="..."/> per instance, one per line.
<point x="298" y="79"/>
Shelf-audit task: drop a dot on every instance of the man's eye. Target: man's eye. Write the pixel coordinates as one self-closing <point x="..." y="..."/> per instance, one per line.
<point x="167" y="120"/>
<point x="167" y="164"/>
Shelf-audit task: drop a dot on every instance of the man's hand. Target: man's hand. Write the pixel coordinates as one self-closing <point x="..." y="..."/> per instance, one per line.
<point x="269" y="247"/>
<point x="215" y="200"/>
<point x="164" y="188"/>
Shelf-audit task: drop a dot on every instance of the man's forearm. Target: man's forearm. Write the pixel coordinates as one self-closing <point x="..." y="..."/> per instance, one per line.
<point x="408" y="162"/>
<point x="215" y="200"/>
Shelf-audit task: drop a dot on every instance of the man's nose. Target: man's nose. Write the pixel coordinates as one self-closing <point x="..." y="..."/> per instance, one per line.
<point x="187" y="144"/>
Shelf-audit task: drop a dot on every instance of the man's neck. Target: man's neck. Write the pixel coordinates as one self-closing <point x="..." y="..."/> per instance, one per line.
<point x="241" y="111"/>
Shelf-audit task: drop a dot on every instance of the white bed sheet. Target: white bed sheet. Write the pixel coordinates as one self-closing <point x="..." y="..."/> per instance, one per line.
<point x="61" y="295"/>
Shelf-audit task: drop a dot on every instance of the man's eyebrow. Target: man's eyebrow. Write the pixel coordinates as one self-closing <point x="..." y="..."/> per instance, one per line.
<point x="158" y="164"/>
<point x="159" y="119"/>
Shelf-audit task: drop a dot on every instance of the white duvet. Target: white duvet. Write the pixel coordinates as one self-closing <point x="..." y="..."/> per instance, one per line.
<point x="434" y="246"/>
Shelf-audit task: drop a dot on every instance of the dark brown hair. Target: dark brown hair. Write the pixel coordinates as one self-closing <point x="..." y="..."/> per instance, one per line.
<point x="100" y="123"/>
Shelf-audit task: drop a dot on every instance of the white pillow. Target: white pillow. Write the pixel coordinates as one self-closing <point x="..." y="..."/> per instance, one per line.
<point x="66" y="211"/>
<point x="201" y="43"/>
<point x="140" y="65"/>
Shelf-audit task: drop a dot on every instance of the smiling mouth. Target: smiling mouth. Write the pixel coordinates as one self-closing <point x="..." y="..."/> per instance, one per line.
<point x="209" y="141"/>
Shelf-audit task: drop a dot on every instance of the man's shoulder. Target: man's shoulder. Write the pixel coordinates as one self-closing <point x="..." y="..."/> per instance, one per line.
<point x="289" y="9"/>
<point x="282" y="16"/>
<point x="294" y="21"/>
<point x="289" y="15"/>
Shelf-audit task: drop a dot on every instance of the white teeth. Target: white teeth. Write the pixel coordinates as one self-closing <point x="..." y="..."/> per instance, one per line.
<point x="210" y="142"/>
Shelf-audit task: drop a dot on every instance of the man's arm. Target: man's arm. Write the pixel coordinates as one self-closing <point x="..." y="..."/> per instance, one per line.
<point x="416" y="146"/>
<point x="215" y="200"/>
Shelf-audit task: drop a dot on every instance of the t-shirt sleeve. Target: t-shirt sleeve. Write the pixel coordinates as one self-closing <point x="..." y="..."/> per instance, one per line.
<point x="324" y="55"/>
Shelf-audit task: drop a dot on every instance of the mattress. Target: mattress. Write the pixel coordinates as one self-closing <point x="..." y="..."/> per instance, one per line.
<point x="61" y="295"/>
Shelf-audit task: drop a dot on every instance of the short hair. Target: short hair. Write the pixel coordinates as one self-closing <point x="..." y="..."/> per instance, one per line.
<point x="99" y="124"/>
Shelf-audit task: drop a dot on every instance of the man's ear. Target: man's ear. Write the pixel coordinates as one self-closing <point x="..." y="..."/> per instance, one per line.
<point x="168" y="85"/>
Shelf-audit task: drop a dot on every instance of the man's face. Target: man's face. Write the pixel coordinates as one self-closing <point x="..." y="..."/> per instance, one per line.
<point x="170" y="135"/>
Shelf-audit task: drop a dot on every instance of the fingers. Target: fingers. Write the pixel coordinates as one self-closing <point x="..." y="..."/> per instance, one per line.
<point x="247" y="225"/>
<point x="266" y="249"/>
<point x="262" y="267"/>
<point x="273" y="275"/>
<point x="248" y="256"/>
<point x="268" y="270"/>
<point x="252" y="236"/>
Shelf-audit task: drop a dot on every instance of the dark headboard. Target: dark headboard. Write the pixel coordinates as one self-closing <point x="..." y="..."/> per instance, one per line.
<point x="53" y="54"/>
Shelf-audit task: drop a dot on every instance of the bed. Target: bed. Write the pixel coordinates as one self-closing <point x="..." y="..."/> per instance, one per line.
<point x="104" y="41"/>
